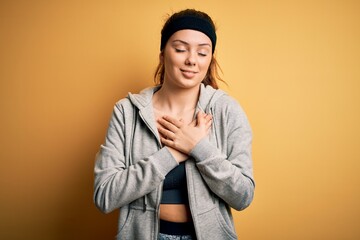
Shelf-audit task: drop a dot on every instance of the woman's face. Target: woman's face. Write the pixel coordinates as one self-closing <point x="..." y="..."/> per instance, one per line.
<point x="186" y="58"/>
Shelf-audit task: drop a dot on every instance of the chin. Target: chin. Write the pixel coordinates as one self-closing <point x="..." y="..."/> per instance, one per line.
<point x="189" y="83"/>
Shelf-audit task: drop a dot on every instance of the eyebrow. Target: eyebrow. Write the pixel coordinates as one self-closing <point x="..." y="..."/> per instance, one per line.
<point x="186" y="43"/>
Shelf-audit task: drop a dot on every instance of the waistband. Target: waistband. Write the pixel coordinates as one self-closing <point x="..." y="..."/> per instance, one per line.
<point x="174" y="228"/>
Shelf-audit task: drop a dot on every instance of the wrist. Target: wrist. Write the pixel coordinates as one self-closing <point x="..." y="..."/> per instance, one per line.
<point x="177" y="155"/>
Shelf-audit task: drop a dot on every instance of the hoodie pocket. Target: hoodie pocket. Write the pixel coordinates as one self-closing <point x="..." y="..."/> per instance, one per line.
<point x="213" y="226"/>
<point x="139" y="224"/>
<point x="128" y="222"/>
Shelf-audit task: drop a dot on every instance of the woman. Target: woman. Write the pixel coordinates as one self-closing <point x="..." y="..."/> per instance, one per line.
<point x="177" y="156"/>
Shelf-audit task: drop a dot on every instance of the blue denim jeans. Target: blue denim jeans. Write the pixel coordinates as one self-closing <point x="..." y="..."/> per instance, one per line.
<point x="163" y="236"/>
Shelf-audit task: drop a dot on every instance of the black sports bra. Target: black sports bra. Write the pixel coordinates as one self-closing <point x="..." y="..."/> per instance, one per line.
<point x="175" y="187"/>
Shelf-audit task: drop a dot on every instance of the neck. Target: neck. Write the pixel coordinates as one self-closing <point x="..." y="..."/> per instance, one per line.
<point x="176" y="100"/>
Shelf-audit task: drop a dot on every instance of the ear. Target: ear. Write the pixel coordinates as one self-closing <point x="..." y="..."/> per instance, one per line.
<point x="161" y="57"/>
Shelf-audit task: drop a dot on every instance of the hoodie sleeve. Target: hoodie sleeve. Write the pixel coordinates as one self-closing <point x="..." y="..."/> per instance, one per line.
<point x="227" y="166"/>
<point x="116" y="183"/>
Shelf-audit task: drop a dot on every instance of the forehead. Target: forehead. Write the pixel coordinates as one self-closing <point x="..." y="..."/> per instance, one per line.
<point x="191" y="37"/>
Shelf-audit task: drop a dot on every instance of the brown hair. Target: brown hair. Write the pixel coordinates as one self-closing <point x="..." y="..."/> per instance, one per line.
<point x="212" y="74"/>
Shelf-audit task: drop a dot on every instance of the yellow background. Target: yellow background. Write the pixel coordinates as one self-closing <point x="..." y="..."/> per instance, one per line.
<point x="293" y="65"/>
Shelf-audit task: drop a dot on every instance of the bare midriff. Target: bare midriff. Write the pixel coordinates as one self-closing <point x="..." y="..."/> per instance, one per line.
<point x="175" y="213"/>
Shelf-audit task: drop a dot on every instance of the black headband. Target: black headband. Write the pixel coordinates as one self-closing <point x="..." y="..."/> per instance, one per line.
<point x="188" y="22"/>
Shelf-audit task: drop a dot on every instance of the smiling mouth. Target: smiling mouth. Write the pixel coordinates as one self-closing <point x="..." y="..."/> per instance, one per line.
<point x="187" y="71"/>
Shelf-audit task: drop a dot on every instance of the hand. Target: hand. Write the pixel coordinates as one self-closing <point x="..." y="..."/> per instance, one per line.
<point x="182" y="137"/>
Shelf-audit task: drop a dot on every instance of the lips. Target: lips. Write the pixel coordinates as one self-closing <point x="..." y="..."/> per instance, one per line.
<point x="188" y="73"/>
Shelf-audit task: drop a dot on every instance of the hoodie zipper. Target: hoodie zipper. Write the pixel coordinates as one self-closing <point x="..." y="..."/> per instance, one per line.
<point x="157" y="226"/>
<point x="151" y="129"/>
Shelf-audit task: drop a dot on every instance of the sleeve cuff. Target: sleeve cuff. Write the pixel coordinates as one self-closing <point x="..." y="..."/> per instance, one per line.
<point x="203" y="150"/>
<point x="164" y="161"/>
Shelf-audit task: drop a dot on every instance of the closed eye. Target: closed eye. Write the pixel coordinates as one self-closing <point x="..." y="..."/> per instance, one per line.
<point x="179" y="50"/>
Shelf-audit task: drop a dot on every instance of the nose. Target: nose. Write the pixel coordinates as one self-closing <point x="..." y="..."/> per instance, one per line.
<point x="191" y="59"/>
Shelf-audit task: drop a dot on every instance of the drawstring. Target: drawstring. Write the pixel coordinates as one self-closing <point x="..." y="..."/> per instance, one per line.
<point x="214" y="132"/>
<point x="130" y="160"/>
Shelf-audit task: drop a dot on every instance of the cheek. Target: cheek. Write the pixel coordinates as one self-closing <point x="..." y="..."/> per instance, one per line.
<point x="205" y="64"/>
<point x="171" y="61"/>
<point x="168" y="64"/>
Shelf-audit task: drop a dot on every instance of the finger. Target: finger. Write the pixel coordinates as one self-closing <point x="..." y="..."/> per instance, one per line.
<point x="161" y="135"/>
<point x="167" y="142"/>
<point x="166" y="133"/>
<point x="208" y="124"/>
<point x="200" y="118"/>
<point x="208" y="117"/>
<point x="167" y="125"/>
<point x="172" y="120"/>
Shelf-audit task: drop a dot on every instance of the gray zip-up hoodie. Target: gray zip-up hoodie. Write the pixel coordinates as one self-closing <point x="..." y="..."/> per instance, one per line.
<point x="132" y="164"/>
